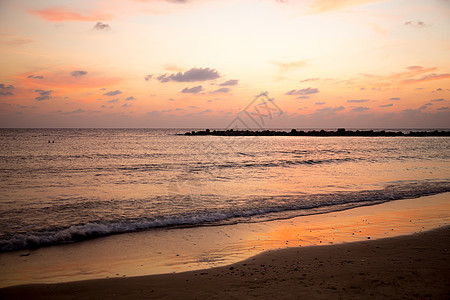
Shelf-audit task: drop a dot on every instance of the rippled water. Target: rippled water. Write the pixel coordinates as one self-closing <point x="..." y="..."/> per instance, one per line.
<point x="94" y="182"/>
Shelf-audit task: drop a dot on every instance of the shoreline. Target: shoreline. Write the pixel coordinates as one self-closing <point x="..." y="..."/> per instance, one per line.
<point x="412" y="266"/>
<point x="200" y="248"/>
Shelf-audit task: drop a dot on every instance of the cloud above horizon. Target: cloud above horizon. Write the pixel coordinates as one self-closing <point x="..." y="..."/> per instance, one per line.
<point x="43" y="95"/>
<point x="360" y="109"/>
<point x="62" y="14"/>
<point x="112" y="93"/>
<point x="415" y="23"/>
<point x="307" y="91"/>
<point x="428" y="77"/>
<point x="221" y="90"/>
<point x="414" y="68"/>
<point x="321" y="6"/>
<point x="288" y="66"/>
<point x="193" y="90"/>
<point x="78" y="73"/>
<point x="101" y="26"/>
<point x="35" y="77"/>
<point x="331" y="110"/>
<point x="6" y="90"/>
<point x="192" y="75"/>
<point x="357" y="101"/>
<point x="309" y="79"/>
<point x="76" y="111"/>
<point x="230" y="82"/>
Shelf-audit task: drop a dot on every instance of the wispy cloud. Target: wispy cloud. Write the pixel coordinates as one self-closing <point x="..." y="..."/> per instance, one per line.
<point x="360" y="109"/>
<point x="288" y="66"/>
<point x="358" y="101"/>
<point x="192" y="75"/>
<point x="230" y="82"/>
<point x="428" y="77"/>
<point x="415" y="111"/>
<point x="309" y="79"/>
<point x="378" y="82"/>
<point x="101" y="26"/>
<point x="77" y="111"/>
<point x="43" y="95"/>
<point x="6" y="90"/>
<point x="332" y="5"/>
<point x="221" y="90"/>
<point x="307" y="91"/>
<point x="414" y="68"/>
<point x="173" y="68"/>
<point x="62" y="14"/>
<point x="415" y="23"/>
<point x="64" y="81"/>
<point x="35" y="77"/>
<point x="330" y="110"/>
<point x="78" y="73"/>
<point x="193" y="90"/>
<point x="15" y="41"/>
<point x="112" y="93"/>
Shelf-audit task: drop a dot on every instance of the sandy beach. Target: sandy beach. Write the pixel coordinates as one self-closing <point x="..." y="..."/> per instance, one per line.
<point x="394" y="250"/>
<point x="189" y="249"/>
<point x="413" y="267"/>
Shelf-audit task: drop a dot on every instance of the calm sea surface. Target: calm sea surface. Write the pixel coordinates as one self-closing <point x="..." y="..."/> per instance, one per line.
<point x="95" y="182"/>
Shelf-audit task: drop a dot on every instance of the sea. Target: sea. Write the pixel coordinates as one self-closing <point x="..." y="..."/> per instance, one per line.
<point x="62" y="186"/>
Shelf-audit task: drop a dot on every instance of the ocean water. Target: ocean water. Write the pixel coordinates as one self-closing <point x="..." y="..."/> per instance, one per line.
<point x="68" y="185"/>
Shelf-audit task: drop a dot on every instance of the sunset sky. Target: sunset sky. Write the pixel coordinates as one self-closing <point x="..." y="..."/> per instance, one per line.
<point x="199" y="63"/>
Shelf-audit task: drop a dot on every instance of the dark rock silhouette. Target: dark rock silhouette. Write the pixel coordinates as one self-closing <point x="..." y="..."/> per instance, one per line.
<point x="338" y="132"/>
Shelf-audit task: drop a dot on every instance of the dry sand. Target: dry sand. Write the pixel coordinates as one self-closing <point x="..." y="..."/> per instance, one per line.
<point x="413" y="266"/>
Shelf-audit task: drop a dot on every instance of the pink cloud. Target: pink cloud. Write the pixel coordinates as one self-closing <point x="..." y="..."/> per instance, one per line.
<point x="65" y="79"/>
<point x="288" y="66"/>
<point x="377" y="82"/>
<point x="62" y="14"/>
<point x="428" y="77"/>
<point x="331" y="5"/>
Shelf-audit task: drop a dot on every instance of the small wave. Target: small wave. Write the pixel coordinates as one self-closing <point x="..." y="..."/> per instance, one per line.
<point x="260" y="209"/>
<point x="284" y="163"/>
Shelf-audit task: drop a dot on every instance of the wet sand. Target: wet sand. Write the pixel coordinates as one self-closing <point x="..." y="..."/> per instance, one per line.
<point x="413" y="266"/>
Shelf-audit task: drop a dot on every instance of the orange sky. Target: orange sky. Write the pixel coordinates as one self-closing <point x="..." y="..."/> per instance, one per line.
<point x="200" y="63"/>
